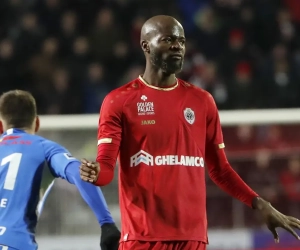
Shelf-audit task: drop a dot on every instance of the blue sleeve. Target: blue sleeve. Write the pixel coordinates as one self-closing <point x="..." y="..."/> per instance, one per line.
<point x="57" y="157"/>
<point x="62" y="164"/>
<point x="90" y="193"/>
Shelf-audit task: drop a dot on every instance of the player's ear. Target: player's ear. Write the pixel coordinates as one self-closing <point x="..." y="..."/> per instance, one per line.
<point x="1" y="127"/>
<point x="145" y="46"/>
<point x="37" y="124"/>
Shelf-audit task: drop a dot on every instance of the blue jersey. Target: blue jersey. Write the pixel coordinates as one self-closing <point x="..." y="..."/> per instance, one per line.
<point x="24" y="158"/>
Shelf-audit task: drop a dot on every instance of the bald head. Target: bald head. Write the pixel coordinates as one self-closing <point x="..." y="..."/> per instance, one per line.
<point x="158" y="24"/>
<point x="163" y="43"/>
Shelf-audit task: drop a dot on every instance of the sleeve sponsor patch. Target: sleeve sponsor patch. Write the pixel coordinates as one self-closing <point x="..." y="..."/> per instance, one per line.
<point x="69" y="156"/>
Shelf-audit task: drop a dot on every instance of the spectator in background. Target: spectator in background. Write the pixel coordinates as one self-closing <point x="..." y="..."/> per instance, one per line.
<point x="234" y="53"/>
<point x="206" y="77"/>
<point x="61" y="98"/>
<point x="95" y="88"/>
<point x="242" y="139"/>
<point x="294" y="8"/>
<point x="271" y="137"/>
<point x="137" y="24"/>
<point x="68" y="32"/>
<point x="242" y="88"/>
<point x="290" y="181"/>
<point x="121" y="56"/>
<point x="43" y="64"/>
<point x="208" y="34"/>
<point x="134" y="70"/>
<point x="29" y="37"/>
<point x="221" y="34"/>
<point x="263" y="178"/>
<point x="8" y="78"/>
<point x="77" y="62"/>
<point x="49" y="15"/>
<point x="104" y="35"/>
<point x="10" y="12"/>
<point x="246" y="22"/>
<point x="286" y="29"/>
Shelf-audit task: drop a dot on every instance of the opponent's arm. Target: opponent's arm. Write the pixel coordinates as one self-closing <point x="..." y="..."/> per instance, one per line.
<point x="63" y="165"/>
<point x="227" y="179"/>
<point x="92" y="195"/>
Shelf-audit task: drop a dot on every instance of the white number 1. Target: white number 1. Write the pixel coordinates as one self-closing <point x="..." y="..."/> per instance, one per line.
<point x="2" y="230"/>
<point x="13" y="168"/>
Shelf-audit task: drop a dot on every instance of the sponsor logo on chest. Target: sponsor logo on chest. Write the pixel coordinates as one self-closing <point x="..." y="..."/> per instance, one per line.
<point x="145" y="107"/>
<point x="167" y="160"/>
<point x="147" y="122"/>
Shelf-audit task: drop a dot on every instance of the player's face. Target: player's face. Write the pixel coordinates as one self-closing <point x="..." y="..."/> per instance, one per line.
<point x="167" y="49"/>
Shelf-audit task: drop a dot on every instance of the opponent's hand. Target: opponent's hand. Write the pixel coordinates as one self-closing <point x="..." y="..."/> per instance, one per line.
<point x="110" y="237"/>
<point x="89" y="170"/>
<point x="274" y="218"/>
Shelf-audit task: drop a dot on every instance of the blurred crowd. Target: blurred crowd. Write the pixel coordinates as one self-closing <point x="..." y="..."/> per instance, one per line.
<point x="268" y="160"/>
<point x="246" y="53"/>
<point x="71" y="53"/>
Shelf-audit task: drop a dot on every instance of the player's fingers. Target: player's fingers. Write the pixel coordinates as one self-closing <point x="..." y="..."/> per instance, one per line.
<point x="84" y="161"/>
<point x="88" y="179"/>
<point x="86" y="169"/>
<point x="294" y="220"/>
<point x="84" y="178"/>
<point x="85" y="174"/>
<point x="93" y="177"/>
<point x="295" y="225"/>
<point x="275" y="234"/>
<point x="291" y="230"/>
<point x="94" y="165"/>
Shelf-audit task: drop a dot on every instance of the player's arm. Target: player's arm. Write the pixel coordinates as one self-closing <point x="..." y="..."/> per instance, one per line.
<point x="63" y="165"/>
<point x="101" y="172"/>
<point x="218" y="166"/>
<point x="227" y="179"/>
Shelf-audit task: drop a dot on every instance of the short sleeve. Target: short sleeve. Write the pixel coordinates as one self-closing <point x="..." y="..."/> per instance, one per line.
<point x="57" y="157"/>
<point x="214" y="134"/>
<point x="110" y="120"/>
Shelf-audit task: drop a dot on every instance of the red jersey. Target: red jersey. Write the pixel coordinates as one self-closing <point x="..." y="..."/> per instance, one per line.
<point x="163" y="136"/>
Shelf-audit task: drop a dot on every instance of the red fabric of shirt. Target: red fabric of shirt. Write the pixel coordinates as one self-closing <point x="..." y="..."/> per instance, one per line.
<point x="163" y="137"/>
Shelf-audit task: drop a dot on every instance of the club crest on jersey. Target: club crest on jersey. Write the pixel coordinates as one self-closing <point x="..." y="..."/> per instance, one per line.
<point x="145" y="107"/>
<point x="189" y="115"/>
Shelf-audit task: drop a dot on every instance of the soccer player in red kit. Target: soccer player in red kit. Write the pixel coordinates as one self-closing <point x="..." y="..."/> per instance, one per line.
<point x="167" y="133"/>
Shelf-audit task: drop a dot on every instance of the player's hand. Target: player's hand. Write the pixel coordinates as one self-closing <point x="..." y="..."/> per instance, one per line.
<point x="89" y="170"/>
<point x="110" y="237"/>
<point x="274" y="218"/>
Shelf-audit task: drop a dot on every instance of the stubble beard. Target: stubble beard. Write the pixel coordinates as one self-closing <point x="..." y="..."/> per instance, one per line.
<point x="167" y="67"/>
